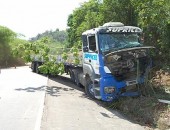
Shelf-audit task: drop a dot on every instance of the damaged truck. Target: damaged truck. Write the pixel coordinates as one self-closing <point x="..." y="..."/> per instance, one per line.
<point x="114" y="62"/>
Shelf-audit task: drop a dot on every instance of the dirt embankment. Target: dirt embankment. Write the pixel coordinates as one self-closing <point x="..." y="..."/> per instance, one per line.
<point x="147" y="110"/>
<point x="12" y="62"/>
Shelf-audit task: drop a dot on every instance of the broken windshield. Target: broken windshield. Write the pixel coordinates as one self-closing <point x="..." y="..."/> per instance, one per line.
<point x="116" y="41"/>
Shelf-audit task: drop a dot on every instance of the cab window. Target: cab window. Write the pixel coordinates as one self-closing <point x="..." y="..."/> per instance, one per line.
<point x="92" y="43"/>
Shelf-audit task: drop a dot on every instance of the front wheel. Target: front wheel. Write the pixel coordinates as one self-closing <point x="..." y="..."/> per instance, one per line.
<point x="89" y="89"/>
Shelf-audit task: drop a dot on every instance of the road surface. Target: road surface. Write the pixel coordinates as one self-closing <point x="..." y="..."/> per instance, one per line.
<point x="21" y="99"/>
<point x="68" y="108"/>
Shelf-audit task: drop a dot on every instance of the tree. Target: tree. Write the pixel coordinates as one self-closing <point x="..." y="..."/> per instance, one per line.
<point x="83" y="18"/>
<point x="40" y="48"/>
<point x="153" y="17"/>
<point x="6" y="36"/>
<point x="55" y="36"/>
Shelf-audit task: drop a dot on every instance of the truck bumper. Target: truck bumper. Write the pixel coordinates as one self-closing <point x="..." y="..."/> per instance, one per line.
<point x="121" y="89"/>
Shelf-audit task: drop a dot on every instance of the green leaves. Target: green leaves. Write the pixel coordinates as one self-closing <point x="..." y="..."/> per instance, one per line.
<point x="56" y="36"/>
<point x="52" y="68"/>
<point x="64" y="56"/>
<point x="75" y="51"/>
<point x="42" y="51"/>
<point x="27" y="49"/>
<point x="6" y="36"/>
<point x="83" y="18"/>
<point x="153" y="17"/>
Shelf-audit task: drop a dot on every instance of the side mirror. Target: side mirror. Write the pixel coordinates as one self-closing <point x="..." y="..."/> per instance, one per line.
<point x="85" y="49"/>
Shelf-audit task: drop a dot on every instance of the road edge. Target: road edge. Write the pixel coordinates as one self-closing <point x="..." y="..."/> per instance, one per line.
<point x="41" y="110"/>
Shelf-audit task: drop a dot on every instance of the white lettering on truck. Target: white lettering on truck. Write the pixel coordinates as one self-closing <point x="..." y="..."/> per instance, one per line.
<point x="123" y="29"/>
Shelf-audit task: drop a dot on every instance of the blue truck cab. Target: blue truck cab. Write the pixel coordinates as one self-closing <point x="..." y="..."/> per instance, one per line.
<point x="115" y="62"/>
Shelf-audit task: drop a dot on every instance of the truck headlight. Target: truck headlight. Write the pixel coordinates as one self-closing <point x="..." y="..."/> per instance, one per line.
<point x="109" y="90"/>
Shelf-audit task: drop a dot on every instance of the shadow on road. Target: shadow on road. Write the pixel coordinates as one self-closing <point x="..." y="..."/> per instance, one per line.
<point x="56" y="91"/>
<point x="72" y="86"/>
<point x="67" y="82"/>
<point x="32" y="89"/>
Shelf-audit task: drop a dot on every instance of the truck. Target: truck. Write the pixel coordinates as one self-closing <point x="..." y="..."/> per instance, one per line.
<point x="114" y="62"/>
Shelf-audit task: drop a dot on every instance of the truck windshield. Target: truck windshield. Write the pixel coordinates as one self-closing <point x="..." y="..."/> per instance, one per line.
<point x="116" y="41"/>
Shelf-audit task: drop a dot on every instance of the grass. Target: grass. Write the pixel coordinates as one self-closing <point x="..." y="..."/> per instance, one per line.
<point x="147" y="110"/>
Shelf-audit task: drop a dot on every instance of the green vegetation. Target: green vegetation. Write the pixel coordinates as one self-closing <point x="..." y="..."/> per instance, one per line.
<point x="45" y="50"/>
<point x="15" y="51"/>
<point x="27" y="49"/>
<point x="57" y="38"/>
<point x="8" y="39"/>
<point x="40" y="48"/>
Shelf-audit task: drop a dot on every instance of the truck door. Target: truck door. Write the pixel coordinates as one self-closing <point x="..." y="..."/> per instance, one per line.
<point x="90" y="56"/>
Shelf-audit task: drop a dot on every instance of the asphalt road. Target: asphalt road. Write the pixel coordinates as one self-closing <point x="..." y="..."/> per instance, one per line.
<point x="23" y="95"/>
<point x="21" y="99"/>
<point x="68" y="108"/>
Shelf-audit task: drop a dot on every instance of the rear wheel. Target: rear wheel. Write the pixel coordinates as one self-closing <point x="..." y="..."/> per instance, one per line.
<point x="89" y="89"/>
<point x="37" y="70"/>
<point x="33" y="67"/>
<point x="72" y="76"/>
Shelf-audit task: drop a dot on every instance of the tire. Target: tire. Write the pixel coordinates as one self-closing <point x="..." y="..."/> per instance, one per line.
<point x="36" y="68"/>
<point x="76" y="72"/>
<point x="72" y="76"/>
<point x="33" y="67"/>
<point x="89" y="88"/>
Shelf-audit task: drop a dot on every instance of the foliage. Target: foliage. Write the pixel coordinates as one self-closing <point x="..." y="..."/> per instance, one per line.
<point x="27" y="49"/>
<point x="122" y="11"/>
<point x="75" y="52"/>
<point x="64" y="56"/>
<point x="57" y="37"/>
<point x="83" y="18"/>
<point x="153" y="17"/>
<point x="42" y="51"/>
<point x="6" y="36"/>
<point x="52" y="68"/>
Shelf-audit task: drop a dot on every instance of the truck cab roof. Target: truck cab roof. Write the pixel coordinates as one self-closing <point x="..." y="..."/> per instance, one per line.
<point x="113" y="27"/>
